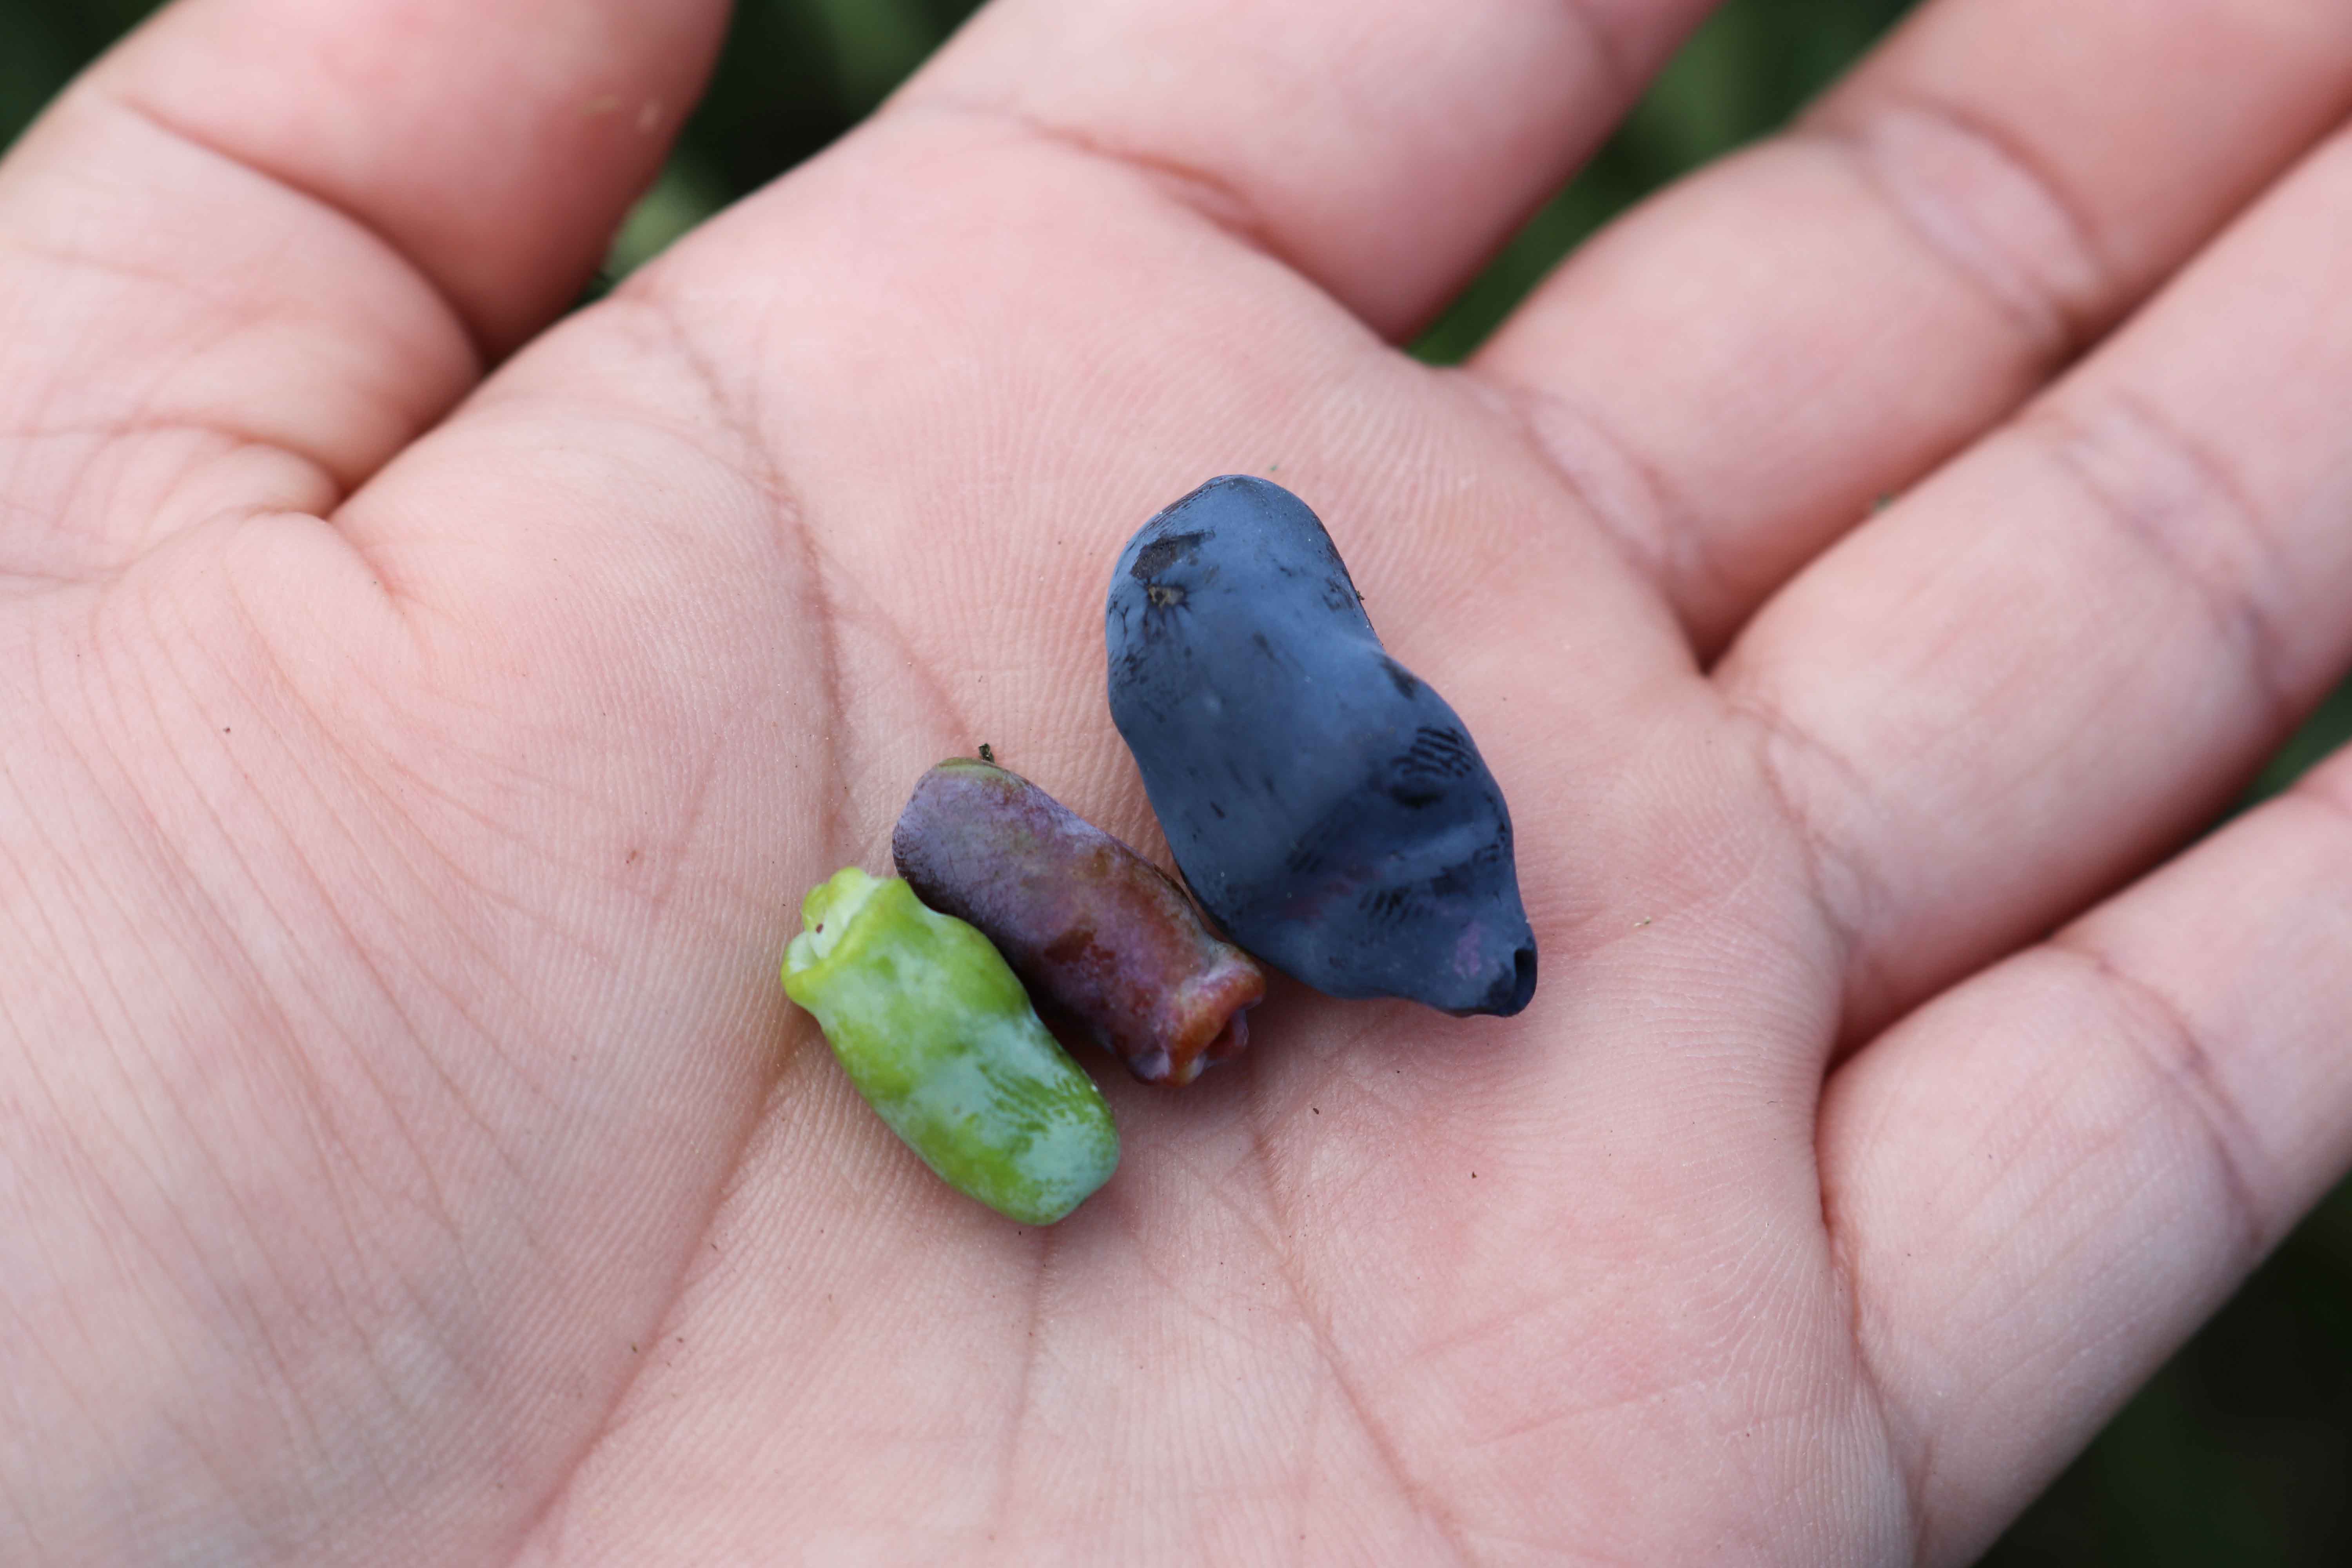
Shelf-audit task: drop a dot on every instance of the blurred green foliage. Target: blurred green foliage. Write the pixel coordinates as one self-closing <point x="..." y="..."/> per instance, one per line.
<point x="2240" y="1451"/>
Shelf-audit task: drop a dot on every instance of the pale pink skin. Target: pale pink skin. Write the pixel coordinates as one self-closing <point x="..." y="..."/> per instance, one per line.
<point x="408" y="781"/>
<point x="1086" y="922"/>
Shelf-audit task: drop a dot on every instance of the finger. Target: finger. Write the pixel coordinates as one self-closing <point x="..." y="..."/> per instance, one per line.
<point x="1383" y="149"/>
<point x="494" y="146"/>
<point x="2071" y="645"/>
<point x="1734" y="375"/>
<point x="2043" y="1180"/>
<point x="263" y="243"/>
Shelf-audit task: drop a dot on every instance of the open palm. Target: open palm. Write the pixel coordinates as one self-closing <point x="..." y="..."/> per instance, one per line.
<point x="407" y="1154"/>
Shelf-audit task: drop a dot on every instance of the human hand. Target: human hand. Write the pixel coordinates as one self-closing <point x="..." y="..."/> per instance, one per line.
<point x="409" y="1155"/>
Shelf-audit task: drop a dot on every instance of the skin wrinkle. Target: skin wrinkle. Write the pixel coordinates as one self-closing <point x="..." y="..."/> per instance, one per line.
<point x="443" y="1213"/>
<point x="542" y="1526"/>
<point x="2054" y="326"/>
<point x="697" y="803"/>
<point x="475" y="335"/>
<point x="85" y="1196"/>
<point x="1828" y="864"/>
<point x="1911" y="1455"/>
<point x="1315" y="1316"/>
<point x="1201" y="192"/>
<point x="1005" y="1513"/>
<point x="216" y="919"/>
<point x="149" y="1284"/>
<point x="1316" y="1319"/>
<point x="387" y="991"/>
<point x="107" y="564"/>
<point x="1470" y="1334"/>
<point x="461" y="873"/>
<point x="1654" y="538"/>
<point x="791" y="535"/>
<point x="410" y="421"/>
<point x="140" y="828"/>
<point x="325" y="1139"/>
<point x="227" y="958"/>
<point x="295" y="1424"/>
<point x="2167" y="1044"/>
<point x="1217" y="1189"/>
<point x="1304" y="1473"/>
<point x="2243" y="617"/>
<point x="21" y="585"/>
<point x="103" y="266"/>
<point x="128" y="425"/>
<point x="426" y="783"/>
<point x="644" y="296"/>
<point x="1656" y="1395"/>
<point x="1222" y="201"/>
<point x="328" y="1138"/>
<point x="105" y="567"/>
<point x="38" y="908"/>
<point x="849" y="602"/>
<point x="469" y="877"/>
<point x="56" y="1101"/>
<point x="17" y="1521"/>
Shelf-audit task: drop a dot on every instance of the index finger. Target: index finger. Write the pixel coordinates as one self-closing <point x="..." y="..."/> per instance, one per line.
<point x="1383" y="149"/>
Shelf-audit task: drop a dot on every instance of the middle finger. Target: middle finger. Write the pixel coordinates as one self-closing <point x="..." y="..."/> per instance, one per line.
<point x="1734" y="374"/>
<point x="2047" y="663"/>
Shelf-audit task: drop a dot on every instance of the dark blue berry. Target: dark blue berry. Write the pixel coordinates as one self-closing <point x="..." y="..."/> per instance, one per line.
<point x="1329" y="809"/>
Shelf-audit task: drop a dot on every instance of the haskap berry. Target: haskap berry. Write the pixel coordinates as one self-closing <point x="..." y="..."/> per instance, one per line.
<point x="1327" y="808"/>
<point x="1084" y="921"/>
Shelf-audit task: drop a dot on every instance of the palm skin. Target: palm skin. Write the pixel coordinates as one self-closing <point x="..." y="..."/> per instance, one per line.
<point x="410" y="1153"/>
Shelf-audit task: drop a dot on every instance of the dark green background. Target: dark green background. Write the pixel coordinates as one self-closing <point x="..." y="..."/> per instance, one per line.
<point x="2240" y="1450"/>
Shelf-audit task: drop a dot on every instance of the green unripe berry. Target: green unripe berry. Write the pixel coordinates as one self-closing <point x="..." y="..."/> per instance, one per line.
<point x="939" y="1037"/>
